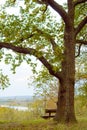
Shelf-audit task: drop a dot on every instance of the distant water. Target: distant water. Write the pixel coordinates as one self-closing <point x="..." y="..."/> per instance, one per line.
<point x="17" y="102"/>
<point x="30" y="98"/>
<point x="20" y="108"/>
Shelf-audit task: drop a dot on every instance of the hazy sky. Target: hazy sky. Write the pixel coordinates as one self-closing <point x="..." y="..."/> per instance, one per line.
<point x="19" y="81"/>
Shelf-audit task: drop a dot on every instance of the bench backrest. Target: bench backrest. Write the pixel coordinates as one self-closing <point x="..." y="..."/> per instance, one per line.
<point x="50" y="110"/>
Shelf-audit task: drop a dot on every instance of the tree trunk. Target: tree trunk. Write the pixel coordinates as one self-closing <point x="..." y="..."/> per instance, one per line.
<point x="65" y="106"/>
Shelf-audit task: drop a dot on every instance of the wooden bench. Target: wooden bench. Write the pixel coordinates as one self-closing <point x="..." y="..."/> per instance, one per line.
<point x="50" y="113"/>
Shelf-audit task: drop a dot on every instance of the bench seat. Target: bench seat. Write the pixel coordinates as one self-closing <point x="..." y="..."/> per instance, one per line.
<point x="49" y="113"/>
<point x="47" y="116"/>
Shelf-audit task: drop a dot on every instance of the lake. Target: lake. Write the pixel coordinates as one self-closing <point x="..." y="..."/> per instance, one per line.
<point x="20" y="108"/>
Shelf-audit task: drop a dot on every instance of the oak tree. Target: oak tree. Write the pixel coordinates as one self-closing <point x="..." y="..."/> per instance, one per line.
<point x="34" y="32"/>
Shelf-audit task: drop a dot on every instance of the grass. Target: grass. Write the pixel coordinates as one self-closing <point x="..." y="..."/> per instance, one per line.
<point x="15" y="120"/>
<point x="41" y="124"/>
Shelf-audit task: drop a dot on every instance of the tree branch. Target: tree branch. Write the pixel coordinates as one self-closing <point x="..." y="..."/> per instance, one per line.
<point x="79" y="2"/>
<point x="81" y="42"/>
<point x="79" y="50"/>
<point x="33" y="52"/>
<point x="59" y="9"/>
<point x="81" y="25"/>
<point x="49" y="37"/>
<point x="54" y="45"/>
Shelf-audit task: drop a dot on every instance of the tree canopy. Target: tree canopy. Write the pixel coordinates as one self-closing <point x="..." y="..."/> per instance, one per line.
<point x="35" y="31"/>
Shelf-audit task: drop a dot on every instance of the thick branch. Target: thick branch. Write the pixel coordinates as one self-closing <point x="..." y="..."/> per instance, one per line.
<point x="81" y="42"/>
<point x="79" y="2"/>
<point x="49" y="67"/>
<point x="59" y="9"/>
<point x="33" y="52"/>
<point x="81" y="25"/>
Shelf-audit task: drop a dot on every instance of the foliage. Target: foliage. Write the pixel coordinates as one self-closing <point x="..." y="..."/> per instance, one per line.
<point x="4" y="80"/>
<point x="80" y="13"/>
<point x="45" y="85"/>
<point x="33" y="27"/>
<point x="82" y="90"/>
<point x="36" y="107"/>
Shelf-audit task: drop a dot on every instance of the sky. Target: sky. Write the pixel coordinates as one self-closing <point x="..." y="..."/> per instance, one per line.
<point x="19" y="81"/>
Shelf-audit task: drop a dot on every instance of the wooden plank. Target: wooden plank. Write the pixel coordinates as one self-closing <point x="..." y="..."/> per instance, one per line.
<point x="50" y="110"/>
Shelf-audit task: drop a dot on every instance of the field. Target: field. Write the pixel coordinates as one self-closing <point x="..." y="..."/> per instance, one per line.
<point x="11" y="119"/>
<point x="41" y="124"/>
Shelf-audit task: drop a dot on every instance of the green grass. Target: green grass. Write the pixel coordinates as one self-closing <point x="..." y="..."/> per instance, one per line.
<point x="17" y="120"/>
<point x="41" y="124"/>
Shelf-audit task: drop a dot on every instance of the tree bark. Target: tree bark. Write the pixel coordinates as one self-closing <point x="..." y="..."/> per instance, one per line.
<point x="65" y="106"/>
